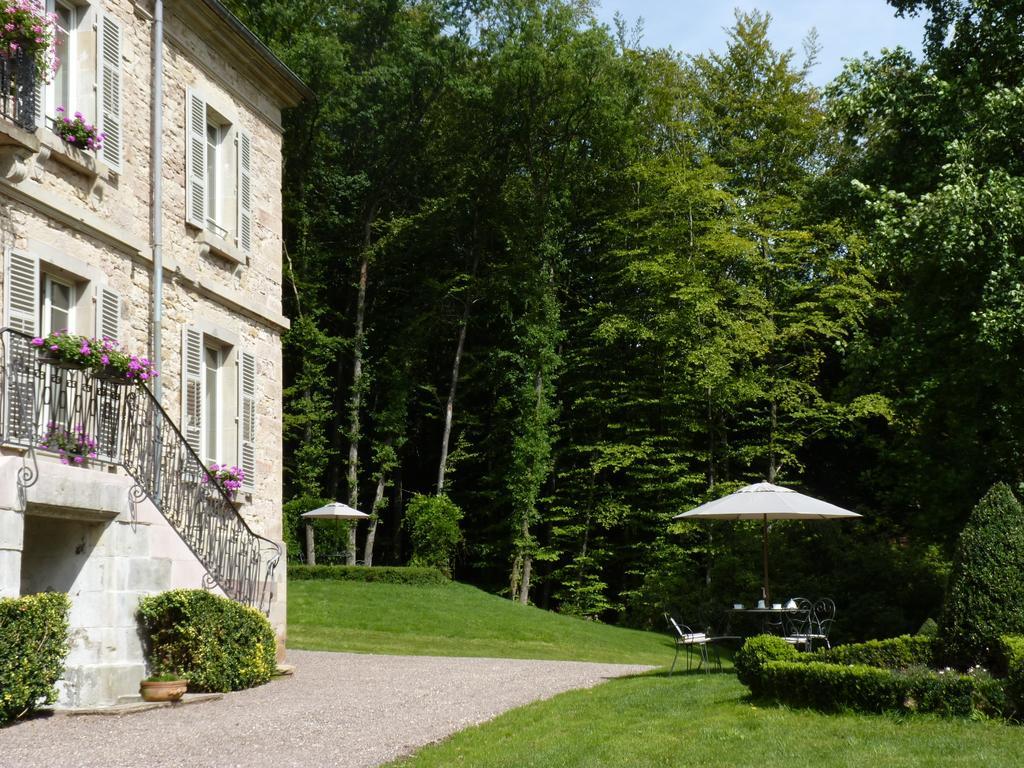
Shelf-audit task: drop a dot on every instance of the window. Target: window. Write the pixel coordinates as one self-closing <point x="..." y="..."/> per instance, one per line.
<point x="219" y="400"/>
<point x="61" y="89"/>
<point x="58" y="310"/>
<point x="212" y="410"/>
<point x="218" y="163"/>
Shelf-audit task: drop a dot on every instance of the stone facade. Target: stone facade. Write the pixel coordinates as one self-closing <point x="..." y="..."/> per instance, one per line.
<point x="88" y="225"/>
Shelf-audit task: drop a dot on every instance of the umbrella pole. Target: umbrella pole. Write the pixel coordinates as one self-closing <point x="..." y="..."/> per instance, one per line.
<point x="764" y="557"/>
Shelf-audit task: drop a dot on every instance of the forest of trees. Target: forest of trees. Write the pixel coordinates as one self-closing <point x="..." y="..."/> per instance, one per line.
<point x="577" y="285"/>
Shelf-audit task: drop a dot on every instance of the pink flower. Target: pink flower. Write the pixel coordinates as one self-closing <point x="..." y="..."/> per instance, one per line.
<point x="37" y="342"/>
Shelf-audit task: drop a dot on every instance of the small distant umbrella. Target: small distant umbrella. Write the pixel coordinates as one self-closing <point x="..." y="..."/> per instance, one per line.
<point x="764" y="502"/>
<point x="333" y="511"/>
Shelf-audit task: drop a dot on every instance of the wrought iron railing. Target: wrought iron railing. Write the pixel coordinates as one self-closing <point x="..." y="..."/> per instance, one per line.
<point x="18" y="92"/>
<point x="41" y="396"/>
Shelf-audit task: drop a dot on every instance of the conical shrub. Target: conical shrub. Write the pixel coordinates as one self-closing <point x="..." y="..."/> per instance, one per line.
<point x="986" y="586"/>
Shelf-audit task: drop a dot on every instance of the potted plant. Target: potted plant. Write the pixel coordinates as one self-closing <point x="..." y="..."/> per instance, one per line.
<point x="77" y="132"/>
<point x="166" y="686"/>
<point x="228" y="478"/>
<point x="104" y="356"/>
<point x="28" y="31"/>
<point x="74" y="446"/>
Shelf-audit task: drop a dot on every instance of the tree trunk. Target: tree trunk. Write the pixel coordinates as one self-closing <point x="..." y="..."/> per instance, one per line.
<point x="310" y="544"/>
<point x="449" y="410"/>
<point x="371" y="533"/>
<point x="357" y="384"/>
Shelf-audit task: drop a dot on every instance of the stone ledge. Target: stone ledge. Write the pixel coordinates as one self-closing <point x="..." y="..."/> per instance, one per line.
<point x="131" y="707"/>
<point x="218" y="246"/>
<point x="54" y="147"/>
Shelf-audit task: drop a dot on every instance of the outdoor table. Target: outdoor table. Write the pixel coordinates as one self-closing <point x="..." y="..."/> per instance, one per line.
<point x="765" y="615"/>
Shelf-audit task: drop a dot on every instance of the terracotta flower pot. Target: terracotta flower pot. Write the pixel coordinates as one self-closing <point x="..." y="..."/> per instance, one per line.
<point x="171" y="690"/>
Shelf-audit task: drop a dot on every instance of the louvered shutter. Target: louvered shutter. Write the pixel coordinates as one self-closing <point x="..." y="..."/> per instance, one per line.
<point x="21" y="300"/>
<point x="21" y="279"/>
<point x="195" y="160"/>
<point x="247" y="417"/>
<point x="108" y="396"/>
<point x="245" y="192"/>
<point x="192" y="388"/>
<point x="109" y="61"/>
<point x="108" y="313"/>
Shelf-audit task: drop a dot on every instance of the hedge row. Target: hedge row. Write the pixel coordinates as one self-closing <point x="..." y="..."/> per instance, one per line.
<point x="216" y="643"/>
<point x="33" y="645"/>
<point x="894" y="653"/>
<point x="385" y="574"/>
<point x="878" y="676"/>
<point x="833" y="687"/>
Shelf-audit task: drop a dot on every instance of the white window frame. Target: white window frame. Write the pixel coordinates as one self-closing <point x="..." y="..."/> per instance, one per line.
<point x="47" y="304"/>
<point x="215" y="420"/>
<point x="70" y="70"/>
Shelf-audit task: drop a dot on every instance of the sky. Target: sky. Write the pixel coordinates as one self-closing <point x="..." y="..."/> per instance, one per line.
<point x="846" y="28"/>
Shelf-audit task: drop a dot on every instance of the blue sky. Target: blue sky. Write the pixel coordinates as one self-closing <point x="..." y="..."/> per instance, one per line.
<point x="846" y="28"/>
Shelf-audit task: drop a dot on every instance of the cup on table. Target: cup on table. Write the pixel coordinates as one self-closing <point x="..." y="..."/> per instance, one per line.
<point x="760" y="603"/>
<point x="737" y="606"/>
<point x="777" y="606"/>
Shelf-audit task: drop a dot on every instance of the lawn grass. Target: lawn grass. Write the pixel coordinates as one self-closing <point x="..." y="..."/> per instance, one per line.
<point x="453" y="620"/>
<point x="699" y="721"/>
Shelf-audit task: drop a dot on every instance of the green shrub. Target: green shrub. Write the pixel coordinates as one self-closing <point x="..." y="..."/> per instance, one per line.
<point x="383" y="574"/>
<point x="433" y="524"/>
<point x="218" y="644"/>
<point x="757" y="651"/>
<point x="893" y="653"/>
<point x="986" y="587"/>
<point x="1012" y="662"/>
<point x="832" y="687"/>
<point x="929" y="628"/>
<point x="33" y="645"/>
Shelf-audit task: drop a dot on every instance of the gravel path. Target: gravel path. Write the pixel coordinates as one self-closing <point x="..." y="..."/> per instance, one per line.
<point x="343" y="710"/>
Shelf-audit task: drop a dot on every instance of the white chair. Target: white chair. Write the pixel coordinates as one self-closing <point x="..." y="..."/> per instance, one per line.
<point x="690" y="640"/>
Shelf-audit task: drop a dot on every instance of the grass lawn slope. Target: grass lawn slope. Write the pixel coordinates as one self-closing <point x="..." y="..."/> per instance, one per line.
<point x="453" y="620"/>
<point x="705" y="722"/>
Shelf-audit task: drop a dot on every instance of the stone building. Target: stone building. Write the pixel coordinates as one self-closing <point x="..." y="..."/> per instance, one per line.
<point x="193" y="281"/>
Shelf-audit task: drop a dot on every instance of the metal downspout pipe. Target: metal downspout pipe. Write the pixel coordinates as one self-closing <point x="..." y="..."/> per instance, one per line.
<point x="156" y="164"/>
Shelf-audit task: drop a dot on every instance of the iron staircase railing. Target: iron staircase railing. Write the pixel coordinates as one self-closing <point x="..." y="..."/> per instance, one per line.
<point x="129" y="428"/>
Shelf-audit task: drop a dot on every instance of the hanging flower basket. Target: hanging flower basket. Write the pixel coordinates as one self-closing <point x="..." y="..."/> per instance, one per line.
<point x="76" y="132"/>
<point x="103" y="356"/>
<point x="26" y="29"/>
<point x="228" y="478"/>
<point x="74" y="446"/>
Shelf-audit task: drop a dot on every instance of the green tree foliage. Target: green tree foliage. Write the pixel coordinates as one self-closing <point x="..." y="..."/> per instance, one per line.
<point x="588" y="284"/>
<point x="931" y="149"/>
<point x="433" y="523"/>
<point x="986" y="587"/>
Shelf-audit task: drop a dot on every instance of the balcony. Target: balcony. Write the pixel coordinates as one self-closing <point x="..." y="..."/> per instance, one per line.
<point x="47" y="404"/>
<point x="18" y="91"/>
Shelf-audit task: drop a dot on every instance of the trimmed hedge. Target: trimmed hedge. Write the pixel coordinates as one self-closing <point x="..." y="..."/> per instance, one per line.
<point x="893" y="653"/>
<point x="834" y="687"/>
<point x="1013" y="659"/>
<point x="33" y="645"/>
<point x="752" y="656"/>
<point x="986" y="584"/>
<point x="384" y="574"/>
<point x="216" y="643"/>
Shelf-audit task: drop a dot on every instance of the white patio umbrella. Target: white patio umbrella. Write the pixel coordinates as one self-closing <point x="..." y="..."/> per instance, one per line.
<point x="764" y="502"/>
<point x="333" y="511"/>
